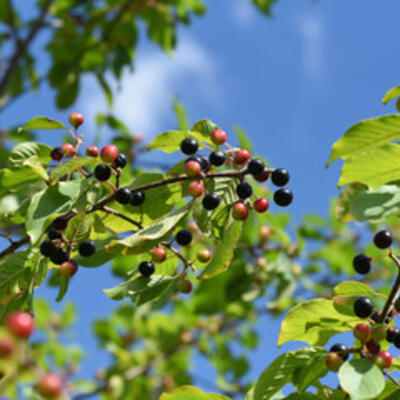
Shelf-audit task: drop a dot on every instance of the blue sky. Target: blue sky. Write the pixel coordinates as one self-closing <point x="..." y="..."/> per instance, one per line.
<point x="295" y="83"/>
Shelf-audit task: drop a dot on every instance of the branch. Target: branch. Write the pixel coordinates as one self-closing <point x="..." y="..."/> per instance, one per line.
<point x="14" y="246"/>
<point x="394" y="380"/>
<point x="122" y="216"/>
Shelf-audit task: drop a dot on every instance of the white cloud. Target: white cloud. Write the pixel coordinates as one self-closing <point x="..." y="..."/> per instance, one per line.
<point x="144" y="98"/>
<point x="242" y="13"/>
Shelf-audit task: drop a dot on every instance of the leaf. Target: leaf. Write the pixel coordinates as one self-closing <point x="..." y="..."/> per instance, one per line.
<point x="366" y="135"/>
<point x="69" y="166"/>
<point x="244" y="141"/>
<point x="361" y="379"/>
<point x="373" y="168"/>
<point x="281" y="371"/>
<point x="352" y="288"/>
<point x="391" y="94"/>
<point x="12" y="267"/>
<point x="343" y="202"/>
<point x="224" y="253"/>
<point x="264" y="5"/>
<point x="35" y="164"/>
<point x="78" y="228"/>
<point x="180" y="113"/>
<point x="170" y="141"/>
<point x="303" y="396"/>
<point x="15" y="177"/>
<point x="23" y="151"/>
<point x="315" y="321"/>
<point x="150" y="236"/>
<point x="42" y="123"/>
<point x="191" y="393"/>
<point x="205" y="127"/>
<point x="63" y="288"/>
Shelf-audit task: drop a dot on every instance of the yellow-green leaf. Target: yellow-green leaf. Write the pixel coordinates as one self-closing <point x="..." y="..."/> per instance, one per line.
<point x="34" y="163"/>
<point x="42" y="123"/>
<point x="70" y="166"/>
<point x="391" y="94"/>
<point x="170" y="141"/>
<point x="191" y="393"/>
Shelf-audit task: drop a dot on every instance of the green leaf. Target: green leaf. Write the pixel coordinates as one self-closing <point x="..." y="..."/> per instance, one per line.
<point x="205" y="127"/>
<point x="42" y="123"/>
<point x="69" y="166"/>
<point x="12" y="267"/>
<point x="303" y="396"/>
<point x="343" y="202"/>
<point x="35" y="164"/>
<point x="24" y="151"/>
<point x="191" y="393"/>
<point x="78" y="228"/>
<point x="315" y="321"/>
<point x="170" y="141"/>
<point x="223" y="255"/>
<point x="244" y="141"/>
<point x="264" y="5"/>
<point x="63" y="288"/>
<point x="361" y="379"/>
<point x="391" y="94"/>
<point x="366" y="135"/>
<point x="180" y="113"/>
<point x="281" y="371"/>
<point x="15" y="177"/>
<point x="352" y="288"/>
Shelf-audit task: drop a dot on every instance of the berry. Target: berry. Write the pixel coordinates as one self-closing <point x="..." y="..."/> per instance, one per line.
<point x="92" y="151"/>
<point x="68" y="268"/>
<point x="373" y="347"/>
<point x="20" y="324"/>
<point x="146" y="268"/>
<point x="68" y="149"/>
<point x="109" y="153"/>
<point x="47" y="248"/>
<point x="261" y="205"/>
<point x="76" y="119"/>
<point x="211" y="201"/>
<point x="283" y="197"/>
<point x="363" y="307"/>
<point x="57" y="154"/>
<point x="378" y="333"/>
<point x="158" y="255"/>
<point x="239" y="211"/>
<point x="383" y="359"/>
<point x="54" y="234"/>
<point x="203" y="255"/>
<point x="263" y="176"/>
<point x="362" y="264"/>
<point x="205" y="163"/>
<point x="195" y="189"/>
<point x="123" y="195"/>
<point x="102" y="172"/>
<point x="7" y="347"/>
<point x="397" y="340"/>
<point x="189" y="146"/>
<point x="341" y="349"/>
<point x="383" y="239"/>
<point x="217" y="158"/>
<point x="192" y="169"/>
<point x="87" y="248"/>
<point x="362" y="332"/>
<point x="334" y="362"/>
<point x="50" y="385"/>
<point x="59" y="256"/>
<point x="256" y="167"/>
<point x="184" y="237"/>
<point x="244" y="190"/>
<point x="137" y="198"/>
<point x="391" y="334"/>
<point x="241" y="157"/>
<point x="375" y="317"/>
<point x="280" y="177"/>
<point x="184" y="286"/>
<point x="218" y="137"/>
<point x="120" y="161"/>
<point x="60" y="223"/>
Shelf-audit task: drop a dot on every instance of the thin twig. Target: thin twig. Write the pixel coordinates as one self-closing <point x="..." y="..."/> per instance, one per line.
<point x="394" y="380"/>
<point x="14" y="246"/>
<point x="122" y="216"/>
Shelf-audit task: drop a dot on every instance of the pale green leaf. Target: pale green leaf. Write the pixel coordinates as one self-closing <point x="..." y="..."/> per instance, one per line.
<point x="191" y="393"/>
<point x="391" y="94"/>
<point x="34" y="163"/>
<point x="78" y="228"/>
<point x="69" y="166"/>
<point x="23" y="151"/>
<point x="352" y="288"/>
<point x="170" y="141"/>
<point x="42" y="123"/>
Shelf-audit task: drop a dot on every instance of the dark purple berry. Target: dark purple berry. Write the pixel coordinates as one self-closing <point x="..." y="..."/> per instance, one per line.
<point x="189" y="146"/>
<point x="184" y="237"/>
<point x="123" y="195"/>
<point x="137" y="198"/>
<point x="146" y="268"/>
<point x="102" y="172"/>
<point x="280" y="177"/>
<point x="87" y="248"/>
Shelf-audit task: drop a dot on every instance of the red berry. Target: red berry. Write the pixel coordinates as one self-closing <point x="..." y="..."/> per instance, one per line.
<point x="261" y="205"/>
<point x="158" y="255"/>
<point x="373" y="347"/>
<point x="68" y="149"/>
<point x="203" y="255"/>
<point x="383" y="359"/>
<point x="68" y="268"/>
<point x="50" y="385"/>
<point x="7" y="347"/>
<point x="241" y="157"/>
<point x="109" y="153"/>
<point x="195" y="189"/>
<point x="192" y="169"/>
<point x="76" y="119"/>
<point x="362" y="332"/>
<point x="21" y="324"/>
<point x="184" y="286"/>
<point x="263" y="176"/>
<point x="92" y="151"/>
<point x="218" y="136"/>
<point x="334" y="362"/>
<point x="239" y="211"/>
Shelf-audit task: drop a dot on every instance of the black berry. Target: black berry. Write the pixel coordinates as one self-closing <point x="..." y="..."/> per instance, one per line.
<point x="205" y="163"/>
<point x="137" y="198"/>
<point x="184" y="237"/>
<point x="375" y="317"/>
<point x="58" y="256"/>
<point x="57" y="154"/>
<point x="54" y="234"/>
<point x="256" y="167"/>
<point x="396" y="340"/>
<point x="87" y="248"/>
<point x="47" y="248"/>
<point x="283" y="197"/>
<point x="362" y="264"/>
<point x="391" y="334"/>
<point x="244" y="190"/>
<point x="363" y="307"/>
<point x="383" y="239"/>
<point x="217" y="158"/>
<point x="340" y="348"/>
<point x="123" y="195"/>
<point x="189" y="146"/>
<point x="102" y="172"/>
<point x="146" y="268"/>
<point x="210" y="201"/>
<point x="280" y="177"/>
<point x="120" y="161"/>
<point x="60" y="223"/>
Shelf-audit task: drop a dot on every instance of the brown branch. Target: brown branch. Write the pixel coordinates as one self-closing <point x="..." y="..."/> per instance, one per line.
<point x="14" y="246"/>
<point x="122" y="216"/>
<point x="394" y="380"/>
